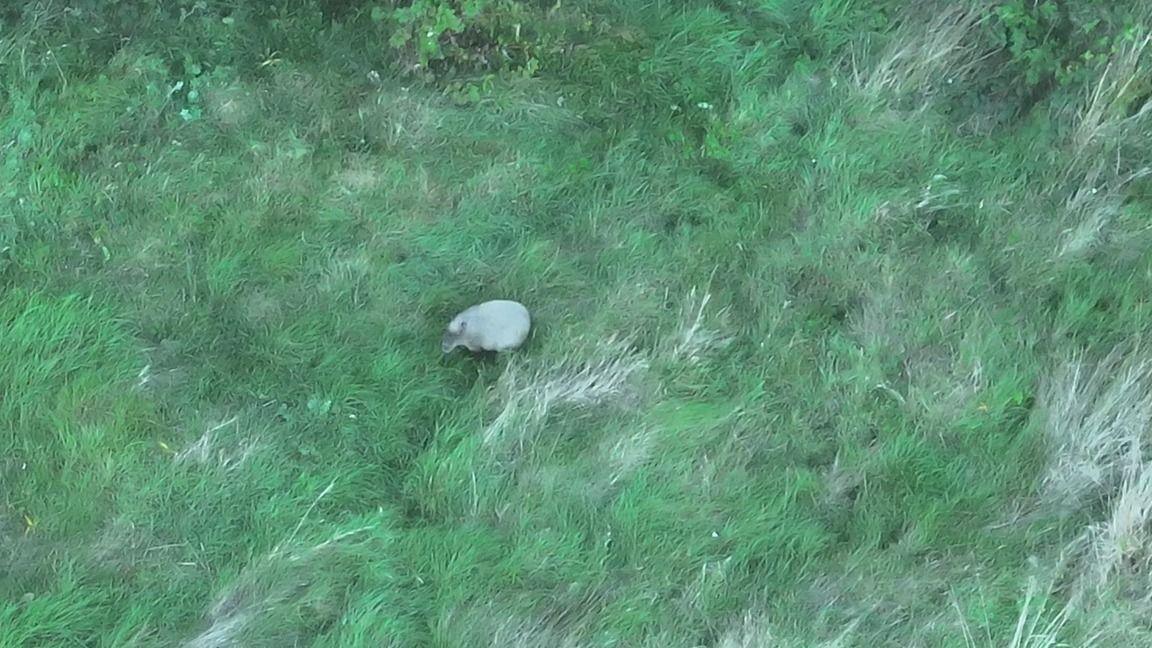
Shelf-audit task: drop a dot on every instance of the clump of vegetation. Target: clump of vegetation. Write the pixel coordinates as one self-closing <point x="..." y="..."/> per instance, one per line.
<point x="447" y="39"/>
<point x="1053" y="45"/>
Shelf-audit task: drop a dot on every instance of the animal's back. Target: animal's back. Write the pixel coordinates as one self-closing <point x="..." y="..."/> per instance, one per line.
<point x="499" y="325"/>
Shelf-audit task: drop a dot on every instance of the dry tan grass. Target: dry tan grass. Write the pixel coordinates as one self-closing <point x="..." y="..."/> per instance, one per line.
<point x="595" y="374"/>
<point x="622" y="455"/>
<point x="1108" y="113"/>
<point x="360" y="174"/>
<point x="224" y="453"/>
<point x="508" y="177"/>
<point x="225" y="631"/>
<point x="840" y="482"/>
<point x="1121" y="545"/>
<point x="879" y="321"/>
<point x="1110" y="124"/>
<point x="345" y="272"/>
<point x="494" y="624"/>
<point x="1098" y="420"/>
<point x="605" y="371"/>
<point x="694" y="338"/>
<point x="924" y="57"/>
<point x="259" y="307"/>
<point x="1092" y="206"/>
<point x="281" y="168"/>
<point x="1096" y="415"/>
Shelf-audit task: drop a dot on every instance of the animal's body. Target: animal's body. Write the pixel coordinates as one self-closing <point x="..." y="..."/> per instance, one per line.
<point x="497" y="325"/>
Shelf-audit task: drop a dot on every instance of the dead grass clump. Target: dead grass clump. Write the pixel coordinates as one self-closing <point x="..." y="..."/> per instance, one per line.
<point x="359" y="175"/>
<point x="302" y="99"/>
<point x="282" y="169"/>
<point x="1097" y="419"/>
<point x="346" y="273"/>
<point x="508" y="177"/>
<point x="880" y="321"/>
<point x="1092" y="207"/>
<point x="693" y="339"/>
<point x="755" y="630"/>
<point x="219" y="450"/>
<point x="1121" y="545"/>
<point x="943" y="382"/>
<point x="124" y="547"/>
<point x="259" y="307"/>
<point x="1113" y="105"/>
<point x="1108" y="563"/>
<point x="842" y="481"/>
<point x="608" y="372"/>
<point x="1098" y="422"/>
<point x="224" y="632"/>
<point x="922" y="57"/>
<point x="1108" y="148"/>
<point x="623" y="454"/>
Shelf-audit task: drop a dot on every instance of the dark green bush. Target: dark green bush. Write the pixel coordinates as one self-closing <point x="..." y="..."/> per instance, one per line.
<point x="446" y="39"/>
<point x="1048" y="45"/>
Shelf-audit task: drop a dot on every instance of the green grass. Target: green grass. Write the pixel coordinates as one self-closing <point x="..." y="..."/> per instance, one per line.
<point x="838" y="333"/>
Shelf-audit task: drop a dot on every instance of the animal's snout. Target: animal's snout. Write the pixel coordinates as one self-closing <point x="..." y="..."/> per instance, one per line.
<point x="448" y="342"/>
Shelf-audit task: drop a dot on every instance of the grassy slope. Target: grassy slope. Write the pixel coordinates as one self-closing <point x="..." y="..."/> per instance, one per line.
<point x="799" y="341"/>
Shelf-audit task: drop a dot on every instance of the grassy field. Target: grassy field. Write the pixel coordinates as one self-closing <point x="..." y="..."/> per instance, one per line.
<point x="840" y="314"/>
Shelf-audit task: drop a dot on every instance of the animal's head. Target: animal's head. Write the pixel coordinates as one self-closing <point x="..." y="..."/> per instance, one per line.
<point x="453" y="335"/>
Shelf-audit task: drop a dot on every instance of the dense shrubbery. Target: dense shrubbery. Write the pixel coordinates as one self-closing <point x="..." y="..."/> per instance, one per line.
<point x="1046" y="46"/>
<point x="447" y="39"/>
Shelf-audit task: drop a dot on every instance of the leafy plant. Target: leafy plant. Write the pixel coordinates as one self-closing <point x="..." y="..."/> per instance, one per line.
<point x="1032" y="33"/>
<point x="443" y="39"/>
<point x="1049" y="45"/>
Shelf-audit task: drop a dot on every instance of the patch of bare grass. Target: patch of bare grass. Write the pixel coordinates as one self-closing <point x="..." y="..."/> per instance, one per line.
<point x="1121" y="545"/>
<point x="945" y="383"/>
<point x="1093" y="205"/>
<point x="233" y="105"/>
<point x="624" y="454"/>
<point x="125" y="547"/>
<point x="282" y="168"/>
<point x="345" y="273"/>
<point x="508" y="177"/>
<point x="359" y="175"/>
<point x="1097" y="418"/>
